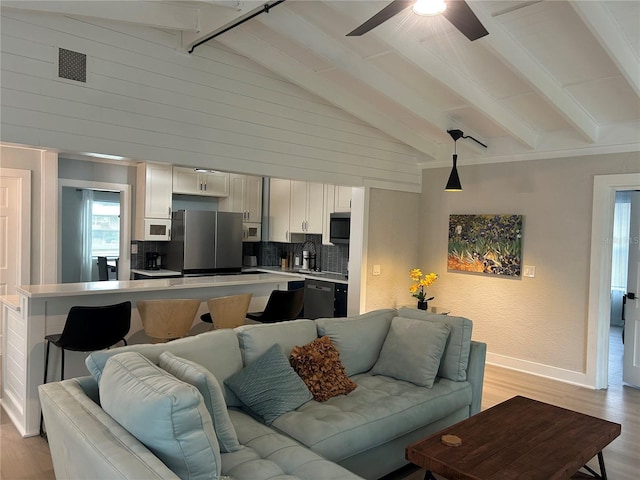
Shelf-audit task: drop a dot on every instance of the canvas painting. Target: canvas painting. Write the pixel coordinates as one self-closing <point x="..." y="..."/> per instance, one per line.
<point x="489" y="244"/>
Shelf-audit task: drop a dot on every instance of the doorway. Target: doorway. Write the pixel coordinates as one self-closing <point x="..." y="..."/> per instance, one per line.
<point x="619" y="274"/>
<point x="599" y="312"/>
<point x="94" y="221"/>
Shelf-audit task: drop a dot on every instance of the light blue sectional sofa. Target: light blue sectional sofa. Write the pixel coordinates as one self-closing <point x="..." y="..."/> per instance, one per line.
<point x="416" y="373"/>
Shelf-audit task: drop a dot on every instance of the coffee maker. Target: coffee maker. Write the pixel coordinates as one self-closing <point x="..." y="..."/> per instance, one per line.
<point x="152" y="261"/>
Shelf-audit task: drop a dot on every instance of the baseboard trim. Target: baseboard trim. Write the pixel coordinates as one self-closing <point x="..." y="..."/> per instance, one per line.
<point x="538" y="369"/>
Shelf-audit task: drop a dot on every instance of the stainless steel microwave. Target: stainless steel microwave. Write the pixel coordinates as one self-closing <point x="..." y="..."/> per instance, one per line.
<point x="340" y="227"/>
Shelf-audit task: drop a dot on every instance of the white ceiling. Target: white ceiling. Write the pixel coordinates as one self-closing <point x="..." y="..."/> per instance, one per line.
<point x="552" y="79"/>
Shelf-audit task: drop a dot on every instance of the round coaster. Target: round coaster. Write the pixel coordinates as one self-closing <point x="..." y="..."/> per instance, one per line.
<point x="451" y="440"/>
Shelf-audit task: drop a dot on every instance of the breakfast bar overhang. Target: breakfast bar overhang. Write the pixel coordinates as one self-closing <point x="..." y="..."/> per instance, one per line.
<point x="39" y="310"/>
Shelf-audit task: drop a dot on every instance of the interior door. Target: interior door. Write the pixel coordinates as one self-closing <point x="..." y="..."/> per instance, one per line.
<point x="15" y="208"/>
<point x="631" y="359"/>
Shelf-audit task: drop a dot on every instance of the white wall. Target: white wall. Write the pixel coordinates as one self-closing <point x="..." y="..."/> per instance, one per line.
<point x="146" y="100"/>
<point x="392" y="243"/>
<point x="43" y="166"/>
<point x="535" y="324"/>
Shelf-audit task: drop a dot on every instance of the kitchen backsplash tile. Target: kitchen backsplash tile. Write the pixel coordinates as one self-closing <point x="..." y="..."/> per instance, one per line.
<point x="332" y="258"/>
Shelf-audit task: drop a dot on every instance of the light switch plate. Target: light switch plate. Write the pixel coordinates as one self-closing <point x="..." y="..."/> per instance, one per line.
<point x="376" y="269"/>
<point x="529" y="271"/>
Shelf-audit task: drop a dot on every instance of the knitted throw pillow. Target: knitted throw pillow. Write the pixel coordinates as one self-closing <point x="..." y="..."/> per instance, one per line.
<point x="318" y="364"/>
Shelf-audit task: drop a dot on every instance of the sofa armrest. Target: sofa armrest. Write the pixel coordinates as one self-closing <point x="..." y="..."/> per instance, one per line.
<point x="85" y="442"/>
<point x="475" y="374"/>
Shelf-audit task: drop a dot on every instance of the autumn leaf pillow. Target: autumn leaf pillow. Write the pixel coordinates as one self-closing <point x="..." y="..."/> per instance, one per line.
<point x="318" y="364"/>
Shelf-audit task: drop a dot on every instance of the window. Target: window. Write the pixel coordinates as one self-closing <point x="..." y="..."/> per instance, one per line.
<point x="105" y="229"/>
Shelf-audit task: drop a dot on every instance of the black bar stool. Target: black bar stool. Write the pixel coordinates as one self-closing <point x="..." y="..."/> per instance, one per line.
<point x="88" y="329"/>
<point x="282" y="305"/>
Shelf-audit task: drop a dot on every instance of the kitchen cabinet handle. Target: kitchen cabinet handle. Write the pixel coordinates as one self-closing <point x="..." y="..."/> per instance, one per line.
<point x="205" y="186"/>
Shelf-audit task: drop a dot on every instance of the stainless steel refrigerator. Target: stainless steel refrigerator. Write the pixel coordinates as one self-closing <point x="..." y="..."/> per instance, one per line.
<point x="204" y="242"/>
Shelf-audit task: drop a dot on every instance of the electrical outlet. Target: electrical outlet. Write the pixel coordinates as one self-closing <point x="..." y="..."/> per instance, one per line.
<point x="529" y="271"/>
<point x="376" y="269"/>
<point x="134" y="248"/>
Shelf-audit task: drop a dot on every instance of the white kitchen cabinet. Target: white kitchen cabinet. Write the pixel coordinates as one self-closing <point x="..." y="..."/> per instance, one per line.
<point x="342" y="199"/>
<point x="307" y="203"/>
<point x="190" y="181"/>
<point x="153" y="190"/>
<point x="245" y="196"/>
<point x="279" y="210"/>
<point x="153" y="201"/>
<point x="328" y="209"/>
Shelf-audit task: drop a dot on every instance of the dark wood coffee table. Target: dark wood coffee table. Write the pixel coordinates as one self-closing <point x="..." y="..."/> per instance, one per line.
<point x="519" y="439"/>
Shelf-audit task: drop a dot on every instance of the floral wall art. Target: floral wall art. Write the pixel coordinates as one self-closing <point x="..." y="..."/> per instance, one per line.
<point x="488" y="244"/>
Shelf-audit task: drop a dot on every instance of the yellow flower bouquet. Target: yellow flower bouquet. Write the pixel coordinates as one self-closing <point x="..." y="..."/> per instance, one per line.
<point x="420" y="282"/>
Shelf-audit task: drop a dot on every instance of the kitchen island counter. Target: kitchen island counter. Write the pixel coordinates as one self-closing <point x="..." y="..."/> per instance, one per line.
<point x="41" y="310"/>
<point x="131" y="286"/>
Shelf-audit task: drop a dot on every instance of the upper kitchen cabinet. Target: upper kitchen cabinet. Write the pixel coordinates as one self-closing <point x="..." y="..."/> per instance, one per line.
<point x="153" y="201"/>
<point x="307" y="202"/>
<point x="245" y="196"/>
<point x="342" y="199"/>
<point x="192" y="181"/>
<point x="295" y="208"/>
<point x="279" y="210"/>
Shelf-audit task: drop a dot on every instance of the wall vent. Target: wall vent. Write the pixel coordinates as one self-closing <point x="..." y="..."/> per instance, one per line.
<point x="72" y="65"/>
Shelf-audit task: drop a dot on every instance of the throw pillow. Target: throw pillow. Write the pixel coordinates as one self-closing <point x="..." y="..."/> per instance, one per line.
<point x="318" y="364"/>
<point x="208" y="386"/>
<point x="455" y="358"/>
<point x="412" y="351"/>
<point x="269" y="387"/>
<point x="166" y="415"/>
<point x="358" y="339"/>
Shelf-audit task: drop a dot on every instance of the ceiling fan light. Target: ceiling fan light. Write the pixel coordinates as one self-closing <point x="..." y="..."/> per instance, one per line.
<point x="429" y="7"/>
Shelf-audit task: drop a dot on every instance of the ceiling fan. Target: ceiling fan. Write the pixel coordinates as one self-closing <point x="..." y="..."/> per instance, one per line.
<point x="456" y="11"/>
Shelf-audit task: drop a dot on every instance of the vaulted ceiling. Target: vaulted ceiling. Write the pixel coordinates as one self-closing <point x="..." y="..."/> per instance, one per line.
<point x="552" y="79"/>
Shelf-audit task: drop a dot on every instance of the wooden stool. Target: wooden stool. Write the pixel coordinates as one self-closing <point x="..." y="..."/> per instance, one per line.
<point x="165" y="320"/>
<point x="228" y="312"/>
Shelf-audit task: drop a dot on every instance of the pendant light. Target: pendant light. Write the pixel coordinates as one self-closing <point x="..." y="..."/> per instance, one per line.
<point x="454" y="185"/>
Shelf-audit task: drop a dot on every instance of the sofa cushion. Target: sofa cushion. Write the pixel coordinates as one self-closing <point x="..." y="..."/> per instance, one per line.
<point x="358" y="339"/>
<point x="168" y="416"/>
<point x="456" y="352"/>
<point x="412" y="351"/>
<point x="217" y="351"/>
<point x="256" y="339"/>
<point x="269" y="455"/>
<point x="318" y="364"/>
<point x="211" y="392"/>
<point x="269" y="386"/>
<point x="379" y="410"/>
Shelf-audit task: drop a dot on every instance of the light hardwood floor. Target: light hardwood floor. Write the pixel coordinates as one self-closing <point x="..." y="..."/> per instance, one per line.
<point x="29" y="458"/>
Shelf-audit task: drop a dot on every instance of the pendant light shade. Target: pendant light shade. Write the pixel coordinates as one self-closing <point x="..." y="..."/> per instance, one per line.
<point x="453" y="185"/>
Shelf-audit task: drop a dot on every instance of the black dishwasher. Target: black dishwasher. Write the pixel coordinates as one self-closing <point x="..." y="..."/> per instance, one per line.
<point x="318" y="299"/>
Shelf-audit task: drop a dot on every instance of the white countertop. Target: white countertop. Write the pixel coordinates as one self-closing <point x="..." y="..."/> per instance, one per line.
<point x="90" y="288"/>
<point x="156" y="273"/>
<point x="11" y="301"/>
<point x="325" y="276"/>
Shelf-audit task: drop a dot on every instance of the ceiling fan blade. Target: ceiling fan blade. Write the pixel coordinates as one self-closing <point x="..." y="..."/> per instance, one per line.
<point x="463" y="18"/>
<point x="382" y="16"/>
